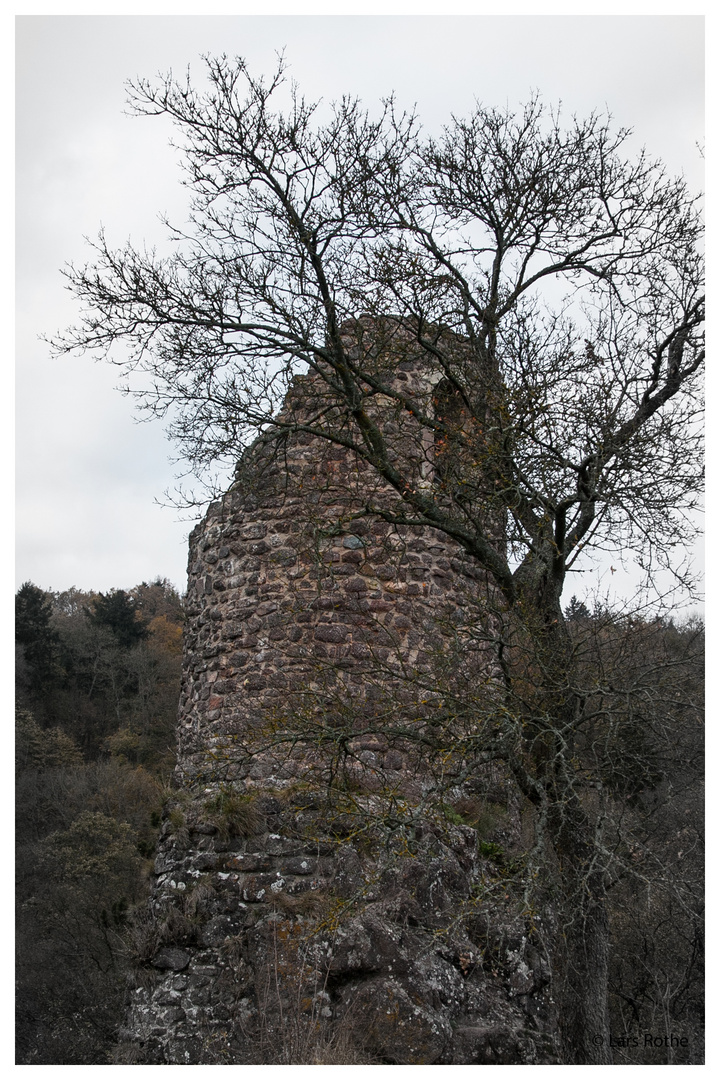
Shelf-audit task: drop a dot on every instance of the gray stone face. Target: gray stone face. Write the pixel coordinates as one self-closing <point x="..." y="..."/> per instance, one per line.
<point x="273" y="929"/>
<point x="171" y="959"/>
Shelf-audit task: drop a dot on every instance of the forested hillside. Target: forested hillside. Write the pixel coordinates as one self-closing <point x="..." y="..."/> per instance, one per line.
<point x="97" y="689"/>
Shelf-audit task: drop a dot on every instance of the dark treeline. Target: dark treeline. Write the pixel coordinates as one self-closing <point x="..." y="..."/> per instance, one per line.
<point x="644" y="743"/>
<point x="97" y="688"/>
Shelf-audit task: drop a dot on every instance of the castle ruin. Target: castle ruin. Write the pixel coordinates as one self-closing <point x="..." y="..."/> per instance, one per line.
<point x="311" y="901"/>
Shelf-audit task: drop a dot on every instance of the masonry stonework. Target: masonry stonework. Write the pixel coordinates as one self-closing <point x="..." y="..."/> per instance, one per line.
<point x="283" y="928"/>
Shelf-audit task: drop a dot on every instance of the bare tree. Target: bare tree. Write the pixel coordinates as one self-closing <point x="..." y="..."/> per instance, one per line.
<point x="555" y="292"/>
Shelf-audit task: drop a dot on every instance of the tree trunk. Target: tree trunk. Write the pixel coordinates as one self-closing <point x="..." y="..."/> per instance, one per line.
<point x="584" y="940"/>
<point x="584" y="934"/>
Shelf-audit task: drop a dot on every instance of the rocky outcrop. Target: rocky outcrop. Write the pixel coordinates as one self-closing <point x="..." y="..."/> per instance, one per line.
<point x="274" y="947"/>
<point x="306" y="907"/>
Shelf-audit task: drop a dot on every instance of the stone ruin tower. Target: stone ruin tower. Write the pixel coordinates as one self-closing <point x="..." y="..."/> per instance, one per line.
<point x="294" y="918"/>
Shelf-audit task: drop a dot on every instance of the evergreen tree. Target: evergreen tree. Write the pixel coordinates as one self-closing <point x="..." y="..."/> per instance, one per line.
<point x="117" y="611"/>
<point x="576" y="609"/>
<point x="37" y="637"/>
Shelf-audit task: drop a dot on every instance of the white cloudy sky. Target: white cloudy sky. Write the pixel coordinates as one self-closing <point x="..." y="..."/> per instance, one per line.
<point x="88" y="476"/>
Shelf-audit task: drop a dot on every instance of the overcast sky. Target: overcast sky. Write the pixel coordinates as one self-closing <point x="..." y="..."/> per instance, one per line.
<point x="88" y="476"/>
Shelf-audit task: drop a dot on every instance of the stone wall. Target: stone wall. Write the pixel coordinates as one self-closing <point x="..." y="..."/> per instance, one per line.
<point x="289" y="922"/>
